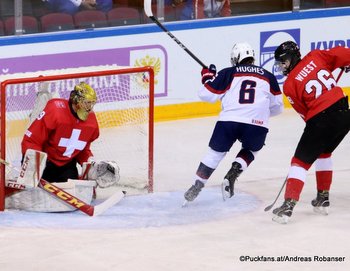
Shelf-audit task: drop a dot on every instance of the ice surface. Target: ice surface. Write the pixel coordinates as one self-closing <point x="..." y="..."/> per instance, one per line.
<point x="153" y="232"/>
<point x="153" y="210"/>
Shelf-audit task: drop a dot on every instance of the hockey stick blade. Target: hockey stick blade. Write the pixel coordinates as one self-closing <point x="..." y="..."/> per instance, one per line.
<point x="108" y="203"/>
<point x="268" y="208"/>
<point x="147" y="6"/>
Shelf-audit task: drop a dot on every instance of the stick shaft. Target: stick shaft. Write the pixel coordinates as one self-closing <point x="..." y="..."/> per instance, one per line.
<point x="70" y="199"/>
<point x="278" y="195"/>
<point x="154" y="19"/>
<point x="340" y="74"/>
<point x="66" y="197"/>
<point x="148" y="11"/>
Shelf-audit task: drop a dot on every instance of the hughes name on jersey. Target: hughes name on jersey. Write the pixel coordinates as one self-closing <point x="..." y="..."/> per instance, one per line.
<point x="249" y="94"/>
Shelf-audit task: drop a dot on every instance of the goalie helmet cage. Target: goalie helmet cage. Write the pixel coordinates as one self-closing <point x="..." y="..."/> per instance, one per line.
<point x="124" y="110"/>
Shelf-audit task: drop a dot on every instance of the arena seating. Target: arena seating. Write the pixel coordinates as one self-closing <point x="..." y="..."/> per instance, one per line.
<point x="56" y="22"/>
<point x="2" y="30"/>
<point x="123" y="16"/>
<point x="90" y="19"/>
<point x="30" y="25"/>
<point x="36" y="17"/>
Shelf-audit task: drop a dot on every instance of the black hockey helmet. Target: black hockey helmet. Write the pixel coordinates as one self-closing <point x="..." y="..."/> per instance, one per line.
<point x="287" y="56"/>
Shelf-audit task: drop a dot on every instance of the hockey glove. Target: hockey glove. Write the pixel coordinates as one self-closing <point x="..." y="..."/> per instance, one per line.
<point x="208" y="73"/>
<point x="105" y="173"/>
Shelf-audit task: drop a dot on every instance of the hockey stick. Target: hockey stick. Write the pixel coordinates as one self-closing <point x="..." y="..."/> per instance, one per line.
<point x="342" y="69"/>
<point x="285" y="181"/>
<point x="79" y="204"/>
<point x="72" y="200"/>
<point x="268" y="208"/>
<point x="147" y="6"/>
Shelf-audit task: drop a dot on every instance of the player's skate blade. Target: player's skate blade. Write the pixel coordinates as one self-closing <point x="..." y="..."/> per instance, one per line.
<point x="321" y="210"/>
<point x="225" y="190"/>
<point x="281" y="219"/>
<point x="321" y="202"/>
<point x="184" y="204"/>
<point x="284" y="212"/>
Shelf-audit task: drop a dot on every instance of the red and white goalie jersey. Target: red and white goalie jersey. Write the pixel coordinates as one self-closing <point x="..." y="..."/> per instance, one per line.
<point x="310" y="87"/>
<point x="249" y="94"/>
<point x="60" y="134"/>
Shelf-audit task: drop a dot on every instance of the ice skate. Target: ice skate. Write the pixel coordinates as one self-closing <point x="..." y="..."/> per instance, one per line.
<point x="283" y="213"/>
<point x="193" y="192"/>
<point x="227" y="186"/>
<point x="321" y="203"/>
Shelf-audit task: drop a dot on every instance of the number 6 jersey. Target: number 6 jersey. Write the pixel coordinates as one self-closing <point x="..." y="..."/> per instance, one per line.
<point x="249" y="94"/>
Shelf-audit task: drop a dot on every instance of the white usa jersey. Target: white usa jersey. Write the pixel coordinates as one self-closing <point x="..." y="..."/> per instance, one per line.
<point x="249" y="94"/>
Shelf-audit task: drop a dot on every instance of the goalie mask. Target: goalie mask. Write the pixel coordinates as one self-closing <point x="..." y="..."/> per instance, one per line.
<point x="240" y="52"/>
<point x="287" y="56"/>
<point x="83" y="96"/>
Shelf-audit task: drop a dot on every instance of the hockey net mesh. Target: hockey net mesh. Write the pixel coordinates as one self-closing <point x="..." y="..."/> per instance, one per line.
<point x="124" y="111"/>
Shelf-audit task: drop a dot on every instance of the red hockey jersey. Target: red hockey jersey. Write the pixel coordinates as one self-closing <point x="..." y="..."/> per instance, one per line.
<point x="310" y="86"/>
<point x="60" y="134"/>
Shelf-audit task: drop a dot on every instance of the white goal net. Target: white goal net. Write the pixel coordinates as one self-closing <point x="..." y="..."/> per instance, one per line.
<point x="124" y="111"/>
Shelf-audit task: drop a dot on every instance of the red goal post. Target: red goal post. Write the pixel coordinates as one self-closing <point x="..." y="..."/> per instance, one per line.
<point x="125" y="112"/>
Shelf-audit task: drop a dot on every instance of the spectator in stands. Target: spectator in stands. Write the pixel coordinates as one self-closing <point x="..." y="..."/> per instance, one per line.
<point x="200" y="9"/>
<point x="185" y="7"/>
<point x="213" y="9"/>
<point x="73" y="6"/>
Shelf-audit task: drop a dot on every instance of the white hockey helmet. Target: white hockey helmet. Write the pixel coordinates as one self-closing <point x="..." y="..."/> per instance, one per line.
<point x="241" y="51"/>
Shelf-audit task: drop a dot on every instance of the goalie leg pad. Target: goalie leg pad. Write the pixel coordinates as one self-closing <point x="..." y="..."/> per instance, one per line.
<point x="31" y="170"/>
<point x="37" y="200"/>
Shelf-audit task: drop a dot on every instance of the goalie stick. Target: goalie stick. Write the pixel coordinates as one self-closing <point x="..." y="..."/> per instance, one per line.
<point x="268" y="208"/>
<point x="71" y="200"/>
<point x="147" y="6"/>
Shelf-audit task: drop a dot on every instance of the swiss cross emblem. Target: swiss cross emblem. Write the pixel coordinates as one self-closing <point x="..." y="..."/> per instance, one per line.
<point x="73" y="143"/>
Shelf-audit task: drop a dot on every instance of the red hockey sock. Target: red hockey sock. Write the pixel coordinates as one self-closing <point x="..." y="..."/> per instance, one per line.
<point x="324" y="180"/>
<point x="293" y="189"/>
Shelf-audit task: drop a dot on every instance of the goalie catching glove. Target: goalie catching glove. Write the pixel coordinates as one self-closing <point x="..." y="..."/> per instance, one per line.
<point x="105" y="173"/>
